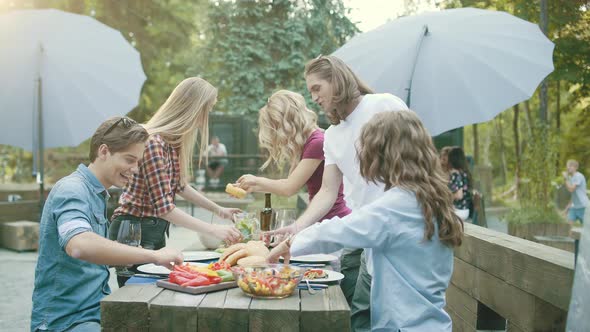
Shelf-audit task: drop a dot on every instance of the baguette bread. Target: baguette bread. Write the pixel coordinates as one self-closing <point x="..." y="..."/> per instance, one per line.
<point x="232" y="249"/>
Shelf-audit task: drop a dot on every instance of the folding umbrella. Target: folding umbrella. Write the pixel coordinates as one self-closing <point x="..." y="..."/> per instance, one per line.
<point x="453" y="67"/>
<point x="62" y="75"/>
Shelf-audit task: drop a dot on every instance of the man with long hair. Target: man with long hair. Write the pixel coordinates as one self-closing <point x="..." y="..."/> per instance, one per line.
<point x="348" y="104"/>
<point x="72" y="275"/>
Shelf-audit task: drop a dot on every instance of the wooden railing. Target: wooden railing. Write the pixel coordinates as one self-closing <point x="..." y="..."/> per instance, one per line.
<point x="499" y="278"/>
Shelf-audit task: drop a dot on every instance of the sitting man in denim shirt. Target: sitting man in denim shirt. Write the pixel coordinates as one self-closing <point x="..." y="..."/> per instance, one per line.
<point x="72" y="275"/>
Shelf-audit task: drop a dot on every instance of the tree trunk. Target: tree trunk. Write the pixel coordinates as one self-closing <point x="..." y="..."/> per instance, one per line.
<point x="543" y="23"/>
<point x="475" y="145"/>
<point x="502" y="149"/>
<point x="516" y="150"/>
<point x="558" y="123"/>
<point x="529" y="118"/>
<point x="76" y="6"/>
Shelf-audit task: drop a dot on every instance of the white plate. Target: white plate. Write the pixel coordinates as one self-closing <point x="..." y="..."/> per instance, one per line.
<point x="332" y="276"/>
<point x="319" y="258"/>
<point x="195" y="256"/>
<point x="160" y="270"/>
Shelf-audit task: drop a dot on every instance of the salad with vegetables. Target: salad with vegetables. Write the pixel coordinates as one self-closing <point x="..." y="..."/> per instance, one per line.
<point x="267" y="281"/>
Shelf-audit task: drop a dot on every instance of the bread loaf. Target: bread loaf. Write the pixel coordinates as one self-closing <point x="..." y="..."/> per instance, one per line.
<point x="235" y="191"/>
<point x="251" y="260"/>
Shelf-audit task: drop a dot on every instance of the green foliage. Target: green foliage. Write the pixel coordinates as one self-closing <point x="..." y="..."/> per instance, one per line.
<point x="539" y="162"/>
<point x="529" y="215"/>
<point x="253" y="48"/>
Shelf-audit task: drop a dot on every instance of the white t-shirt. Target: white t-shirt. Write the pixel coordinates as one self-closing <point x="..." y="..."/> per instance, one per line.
<point x="579" y="196"/>
<point x="218" y="151"/>
<point x="340" y="142"/>
<point x="340" y="149"/>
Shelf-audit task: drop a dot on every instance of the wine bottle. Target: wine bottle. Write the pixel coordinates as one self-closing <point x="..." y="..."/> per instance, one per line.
<point x="266" y="214"/>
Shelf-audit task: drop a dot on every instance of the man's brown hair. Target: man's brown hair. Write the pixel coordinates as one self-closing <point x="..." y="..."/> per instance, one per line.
<point x="118" y="133"/>
<point x="346" y="84"/>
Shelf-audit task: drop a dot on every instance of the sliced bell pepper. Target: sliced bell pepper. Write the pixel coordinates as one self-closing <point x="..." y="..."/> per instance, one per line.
<point x="198" y="281"/>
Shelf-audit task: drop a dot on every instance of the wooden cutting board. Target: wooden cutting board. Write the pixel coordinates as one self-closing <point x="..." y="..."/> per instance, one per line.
<point x="196" y="290"/>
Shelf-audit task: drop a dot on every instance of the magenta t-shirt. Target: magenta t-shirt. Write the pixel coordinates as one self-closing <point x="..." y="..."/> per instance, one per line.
<point x="314" y="149"/>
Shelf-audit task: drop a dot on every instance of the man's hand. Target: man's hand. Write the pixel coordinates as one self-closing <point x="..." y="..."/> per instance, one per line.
<point x="228" y="234"/>
<point x="280" y="250"/>
<point x="168" y="257"/>
<point x="564" y="175"/>
<point x="279" y="234"/>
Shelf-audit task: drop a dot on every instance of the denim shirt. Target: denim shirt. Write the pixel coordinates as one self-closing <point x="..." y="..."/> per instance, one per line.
<point x="68" y="290"/>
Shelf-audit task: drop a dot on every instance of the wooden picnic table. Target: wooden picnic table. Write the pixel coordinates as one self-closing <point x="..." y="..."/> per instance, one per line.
<point x="146" y="307"/>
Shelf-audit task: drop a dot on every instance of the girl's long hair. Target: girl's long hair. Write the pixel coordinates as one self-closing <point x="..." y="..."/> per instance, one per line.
<point x="284" y="125"/>
<point x="396" y="149"/>
<point x="184" y="115"/>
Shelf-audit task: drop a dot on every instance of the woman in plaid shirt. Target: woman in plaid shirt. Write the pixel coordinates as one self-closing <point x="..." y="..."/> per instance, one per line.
<point x="164" y="171"/>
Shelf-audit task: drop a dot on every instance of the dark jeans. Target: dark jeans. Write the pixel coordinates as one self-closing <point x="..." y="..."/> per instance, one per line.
<point x="350" y="262"/>
<point x="153" y="236"/>
<point x="360" y="312"/>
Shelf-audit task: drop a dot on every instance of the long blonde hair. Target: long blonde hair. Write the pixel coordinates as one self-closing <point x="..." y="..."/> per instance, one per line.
<point x="184" y="114"/>
<point x="395" y="149"/>
<point x="285" y="124"/>
<point x="346" y="85"/>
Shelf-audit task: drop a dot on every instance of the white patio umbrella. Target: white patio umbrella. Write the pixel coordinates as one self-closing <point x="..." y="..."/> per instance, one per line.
<point x="453" y="67"/>
<point x="62" y="75"/>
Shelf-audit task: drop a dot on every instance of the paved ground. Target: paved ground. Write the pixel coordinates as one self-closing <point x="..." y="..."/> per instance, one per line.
<point x="17" y="272"/>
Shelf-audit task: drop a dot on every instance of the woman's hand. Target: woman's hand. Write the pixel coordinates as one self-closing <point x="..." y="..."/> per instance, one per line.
<point x="228" y="234"/>
<point x="228" y="213"/>
<point x="249" y="183"/>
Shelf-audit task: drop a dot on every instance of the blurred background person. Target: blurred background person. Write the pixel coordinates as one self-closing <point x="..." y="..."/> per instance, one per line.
<point x="460" y="182"/>
<point x="575" y="183"/>
<point x="216" y="165"/>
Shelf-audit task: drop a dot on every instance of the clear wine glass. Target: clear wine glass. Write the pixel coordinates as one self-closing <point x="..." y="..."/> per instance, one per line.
<point x="129" y="234"/>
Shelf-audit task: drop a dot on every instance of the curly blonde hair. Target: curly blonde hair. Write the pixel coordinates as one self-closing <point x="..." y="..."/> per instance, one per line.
<point x="396" y="149"/>
<point x="284" y="125"/>
<point x="184" y="115"/>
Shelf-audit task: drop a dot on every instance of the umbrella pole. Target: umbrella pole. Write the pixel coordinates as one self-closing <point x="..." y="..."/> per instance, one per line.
<point x="424" y="33"/>
<point x="40" y="148"/>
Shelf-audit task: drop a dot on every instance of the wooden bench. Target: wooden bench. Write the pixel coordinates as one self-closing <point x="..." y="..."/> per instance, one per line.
<point x="20" y="235"/>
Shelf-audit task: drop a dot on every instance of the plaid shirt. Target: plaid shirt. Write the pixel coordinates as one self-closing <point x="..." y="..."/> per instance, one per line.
<point x="152" y="191"/>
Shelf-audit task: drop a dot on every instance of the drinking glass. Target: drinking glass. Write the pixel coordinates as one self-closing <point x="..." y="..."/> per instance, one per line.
<point x="129" y="234"/>
<point x="283" y="218"/>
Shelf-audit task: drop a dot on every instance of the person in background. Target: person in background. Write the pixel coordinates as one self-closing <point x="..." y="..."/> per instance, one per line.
<point x="164" y="171"/>
<point x="288" y="130"/>
<point x="460" y="182"/>
<point x="216" y="165"/>
<point x="72" y="275"/>
<point x="575" y="183"/>
<point x="444" y="157"/>
<point x="411" y="228"/>
<point x="348" y="104"/>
